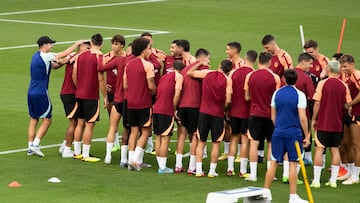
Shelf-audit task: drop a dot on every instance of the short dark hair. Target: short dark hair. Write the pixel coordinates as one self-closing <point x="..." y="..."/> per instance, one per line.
<point x="201" y="52"/>
<point x="174" y="41"/>
<point x="267" y="39"/>
<point x="97" y="39"/>
<point x="185" y="44"/>
<point x="251" y="55"/>
<point x="146" y="34"/>
<point x="310" y="43"/>
<point x="305" y="57"/>
<point x="178" y="65"/>
<point x="337" y="56"/>
<point x="264" y="57"/>
<point x="118" y="38"/>
<point x="290" y="76"/>
<point x="139" y="45"/>
<point x="235" y="45"/>
<point x="346" y="58"/>
<point x="226" y="66"/>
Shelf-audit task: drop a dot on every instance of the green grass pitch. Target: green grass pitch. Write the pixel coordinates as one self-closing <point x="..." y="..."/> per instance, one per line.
<point x="210" y="24"/>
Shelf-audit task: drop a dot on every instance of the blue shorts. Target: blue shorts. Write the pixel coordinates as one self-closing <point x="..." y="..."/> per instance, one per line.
<point x="39" y="106"/>
<point x="281" y="145"/>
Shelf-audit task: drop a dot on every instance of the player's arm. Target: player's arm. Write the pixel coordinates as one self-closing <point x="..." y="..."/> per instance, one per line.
<point x="229" y="92"/>
<point x="178" y="87"/>
<point x="273" y="108"/>
<point x="193" y="72"/>
<point x="68" y="50"/>
<point x="315" y="114"/>
<point x="246" y="88"/>
<point x="74" y="71"/>
<point x="303" y="118"/>
<point x="149" y="70"/>
<point x="102" y="81"/>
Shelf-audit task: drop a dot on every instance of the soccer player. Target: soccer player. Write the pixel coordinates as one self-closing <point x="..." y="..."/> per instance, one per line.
<point x="39" y="104"/>
<point x="67" y="95"/>
<point x="188" y="112"/>
<point x="327" y="121"/>
<point x="320" y="61"/>
<point x="288" y="114"/>
<point x="169" y="59"/>
<point x="259" y="87"/>
<point x="233" y="50"/>
<point x="117" y="46"/>
<point x="169" y="89"/>
<point x="347" y="62"/>
<point x="140" y="86"/>
<point x="88" y="81"/>
<point x="280" y="60"/>
<point x="216" y="96"/>
<point x="239" y="114"/>
<point x="184" y="49"/>
<point x="305" y="85"/>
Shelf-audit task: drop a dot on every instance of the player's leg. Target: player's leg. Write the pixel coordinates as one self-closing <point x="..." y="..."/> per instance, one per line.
<point x="69" y="138"/>
<point x="115" y="117"/>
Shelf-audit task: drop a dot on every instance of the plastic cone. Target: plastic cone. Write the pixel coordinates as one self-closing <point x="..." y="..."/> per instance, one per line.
<point x="14" y="184"/>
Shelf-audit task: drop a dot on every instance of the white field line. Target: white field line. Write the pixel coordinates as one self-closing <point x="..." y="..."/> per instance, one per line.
<point x="103" y="139"/>
<point x="154" y="32"/>
<point x="79" y="7"/>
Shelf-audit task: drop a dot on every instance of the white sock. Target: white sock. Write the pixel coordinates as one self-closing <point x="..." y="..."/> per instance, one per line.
<point x="141" y="158"/>
<point x="192" y="162"/>
<point x="64" y="143"/>
<point x="205" y="149"/>
<point x="243" y="165"/>
<point x="231" y="160"/>
<point x="124" y="149"/>
<point x="67" y="149"/>
<point x="178" y="163"/>
<point x="356" y="172"/>
<point x="238" y="148"/>
<point x="268" y="163"/>
<point x="212" y="168"/>
<point x="86" y="150"/>
<point x="226" y="147"/>
<point x="30" y="144"/>
<point x="294" y="196"/>
<point x="286" y="169"/>
<point x="36" y="141"/>
<point x="317" y="173"/>
<point x="297" y="168"/>
<point x="150" y="142"/>
<point x="137" y="155"/>
<point x="162" y="162"/>
<point x="350" y="168"/>
<point x="131" y="156"/>
<point x="334" y="173"/>
<point x="109" y="146"/>
<point x="199" y="168"/>
<point x="116" y="140"/>
<point x="77" y="147"/>
<point x="308" y="156"/>
<point x="261" y="153"/>
<point x="324" y="160"/>
<point x="253" y="169"/>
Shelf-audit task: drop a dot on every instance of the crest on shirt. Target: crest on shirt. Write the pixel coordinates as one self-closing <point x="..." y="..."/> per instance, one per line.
<point x="276" y="64"/>
<point x="317" y="68"/>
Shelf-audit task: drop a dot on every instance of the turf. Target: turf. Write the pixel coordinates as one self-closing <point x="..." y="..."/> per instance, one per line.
<point x="210" y="24"/>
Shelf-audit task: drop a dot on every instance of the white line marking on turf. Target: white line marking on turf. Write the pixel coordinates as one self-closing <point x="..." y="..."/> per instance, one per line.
<point x="103" y="139"/>
<point x="79" y="7"/>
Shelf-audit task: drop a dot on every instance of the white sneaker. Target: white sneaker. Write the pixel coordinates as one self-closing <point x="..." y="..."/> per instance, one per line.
<point x="67" y="154"/>
<point x="37" y="151"/>
<point x="107" y="160"/>
<point x="204" y="156"/>
<point x="350" y="181"/>
<point x="297" y="200"/>
<point x="252" y="179"/>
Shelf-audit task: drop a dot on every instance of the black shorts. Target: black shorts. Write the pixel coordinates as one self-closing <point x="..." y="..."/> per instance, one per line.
<point x="327" y="139"/>
<point x="347" y="120"/>
<point x="124" y="114"/>
<point x="260" y="128"/>
<point x="110" y="97"/>
<point x="118" y="107"/>
<point x="189" y="118"/>
<point x="356" y="120"/>
<point x="211" y="123"/>
<point x="69" y="102"/>
<point x="139" y="117"/>
<point x="88" y="109"/>
<point x="163" y="124"/>
<point x="239" y="125"/>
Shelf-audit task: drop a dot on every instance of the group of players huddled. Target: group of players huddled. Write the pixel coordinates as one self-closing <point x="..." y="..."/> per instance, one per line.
<point x="151" y="90"/>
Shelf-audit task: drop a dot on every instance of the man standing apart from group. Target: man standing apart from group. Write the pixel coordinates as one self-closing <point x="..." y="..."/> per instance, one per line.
<point x="288" y="114"/>
<point x="39" y="104"/>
